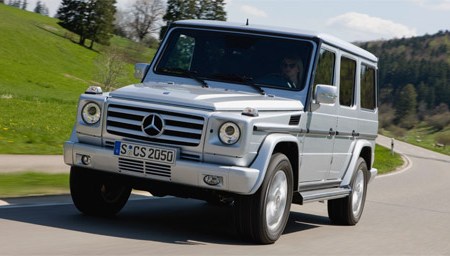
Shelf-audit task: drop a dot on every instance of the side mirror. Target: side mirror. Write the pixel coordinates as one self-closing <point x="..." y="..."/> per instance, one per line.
<point x="325" y="94"/>
<point x="140" y="69"/>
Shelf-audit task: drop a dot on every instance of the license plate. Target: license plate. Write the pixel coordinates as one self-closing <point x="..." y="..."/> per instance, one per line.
<point x="144" y="152"/>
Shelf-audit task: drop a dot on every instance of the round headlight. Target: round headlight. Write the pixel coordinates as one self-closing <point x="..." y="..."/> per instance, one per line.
<point x="91" y="113"/>
<point x="229" y="133"/>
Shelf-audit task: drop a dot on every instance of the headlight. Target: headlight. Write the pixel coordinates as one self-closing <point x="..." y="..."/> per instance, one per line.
<point x="229" y="133"/>
<point x="91" y="113"/>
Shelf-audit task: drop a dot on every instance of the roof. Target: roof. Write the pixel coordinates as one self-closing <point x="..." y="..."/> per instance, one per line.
<point x="329" y="39"/>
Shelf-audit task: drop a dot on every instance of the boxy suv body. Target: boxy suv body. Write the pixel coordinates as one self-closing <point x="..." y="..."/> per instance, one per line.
<point x="217" y="118"/>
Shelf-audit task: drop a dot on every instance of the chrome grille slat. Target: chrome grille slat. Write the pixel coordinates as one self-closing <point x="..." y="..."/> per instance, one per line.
<point x="141" y="135"/>
<point x="180" y="129"/>
<point x="123" y="130"/>
<point x="123" y="120"/>
<point x="127" y="111"/>
<point x="187" y="130"/>
<point x="182" y="119"/>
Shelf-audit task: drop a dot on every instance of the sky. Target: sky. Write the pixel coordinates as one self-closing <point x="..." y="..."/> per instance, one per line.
<point x="351" y="20"/>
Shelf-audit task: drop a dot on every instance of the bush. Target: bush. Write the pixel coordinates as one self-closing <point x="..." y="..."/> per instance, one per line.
<point x="443" y="139"/>
<point x="397" y="131"/>
<point x="387" y="115"/>
<point x="440" y="119"/>
<point x="408" y="122"/>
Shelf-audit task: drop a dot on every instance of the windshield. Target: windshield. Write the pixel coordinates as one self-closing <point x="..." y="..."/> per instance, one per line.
<point x="239" y="58"/>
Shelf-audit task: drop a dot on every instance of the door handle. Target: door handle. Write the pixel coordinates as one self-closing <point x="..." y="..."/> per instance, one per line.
<point x="355" y="134"/>
<point x="331" y="132"/>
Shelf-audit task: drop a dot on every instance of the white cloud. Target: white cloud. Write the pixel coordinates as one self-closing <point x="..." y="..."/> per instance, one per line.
<point x="440" y="5"/>
<point x="253" y="11"/>
<point x="364" y="27"/>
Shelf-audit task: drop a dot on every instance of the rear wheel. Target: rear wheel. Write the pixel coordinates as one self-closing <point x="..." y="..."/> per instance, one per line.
<point x="262" y="217"/>
<point x="96" y="193"/>
<point x="348" y="210"/>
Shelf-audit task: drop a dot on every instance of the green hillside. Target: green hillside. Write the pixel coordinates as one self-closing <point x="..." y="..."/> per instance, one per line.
<point x="42" y="73"/>
<point x="414" y="80"/>
<point x="422" y="61"/>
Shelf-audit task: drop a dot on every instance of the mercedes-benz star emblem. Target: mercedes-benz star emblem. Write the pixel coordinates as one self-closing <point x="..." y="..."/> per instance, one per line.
<point x="153" y="125"/>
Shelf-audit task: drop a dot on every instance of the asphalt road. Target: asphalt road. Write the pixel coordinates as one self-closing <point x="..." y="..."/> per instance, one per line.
<point x="407" y="212"/>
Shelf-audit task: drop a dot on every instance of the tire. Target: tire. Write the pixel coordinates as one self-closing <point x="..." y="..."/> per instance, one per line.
<point x="262" y="217"/>
<point x="96" y="193"/>
<point x="348" y="210"/>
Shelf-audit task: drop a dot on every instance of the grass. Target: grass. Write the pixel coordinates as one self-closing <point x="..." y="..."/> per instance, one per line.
<point x="423" y="136"/>
<point x="43" y="72"/>
<point x="385" y="162"/>
<point x="33" y="183"/>
<point x="34" y="126"/>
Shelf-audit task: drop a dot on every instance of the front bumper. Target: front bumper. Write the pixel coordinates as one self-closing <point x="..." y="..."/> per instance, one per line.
<point x="235" y="179"/>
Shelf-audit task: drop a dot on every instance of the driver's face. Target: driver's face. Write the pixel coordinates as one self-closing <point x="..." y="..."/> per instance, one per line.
<point x="289" y="66"/>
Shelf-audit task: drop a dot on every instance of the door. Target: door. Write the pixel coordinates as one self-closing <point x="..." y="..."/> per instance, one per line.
<point x="347" y="120"/>
<point x="320" y="125"/>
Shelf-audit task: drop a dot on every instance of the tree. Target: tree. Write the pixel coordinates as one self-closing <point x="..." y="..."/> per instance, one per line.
<point x="15" y="3"/>
<point x="70" y="14"/>
<point x="101" y="25"/>
<point x="24" y="5"/>
<point x="145" y="18"/>
<point x="193" y="9"/>
<point x="41" y="8"/>
<point x="406" y="105"/>
<point x="212" y="10"/>
<point x="90" y="19"/>
<point x="111" y="67"/>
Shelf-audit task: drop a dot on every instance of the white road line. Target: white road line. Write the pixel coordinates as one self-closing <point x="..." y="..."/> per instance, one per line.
<point x="408" y="164"/>
<point x="3" y="203"/>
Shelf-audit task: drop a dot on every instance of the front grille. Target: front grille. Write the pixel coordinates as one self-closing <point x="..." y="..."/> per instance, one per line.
<point x="180" y="129"/>
<point x="144" y="167"/>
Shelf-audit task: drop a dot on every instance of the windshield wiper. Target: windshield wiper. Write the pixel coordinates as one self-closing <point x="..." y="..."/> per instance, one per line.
<point x="241" y="79"/>
<point x="184" y="72"/>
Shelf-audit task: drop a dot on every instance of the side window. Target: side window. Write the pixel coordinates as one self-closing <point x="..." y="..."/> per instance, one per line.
<point x="347" y="82"/>
<point x="368" y="87"/>
<point x="325" y="68"/>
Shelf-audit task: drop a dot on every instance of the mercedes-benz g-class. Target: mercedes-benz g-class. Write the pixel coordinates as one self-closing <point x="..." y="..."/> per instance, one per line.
<point x="253" y="117"/>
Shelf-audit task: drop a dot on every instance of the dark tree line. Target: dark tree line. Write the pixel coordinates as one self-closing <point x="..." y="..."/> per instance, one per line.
<point x="96" y="20"/>
<point x="40" y="8"/>
<point x="414" y="75"/>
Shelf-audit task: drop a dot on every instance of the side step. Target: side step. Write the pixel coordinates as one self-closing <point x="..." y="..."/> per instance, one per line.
<point x="320" y="195"/>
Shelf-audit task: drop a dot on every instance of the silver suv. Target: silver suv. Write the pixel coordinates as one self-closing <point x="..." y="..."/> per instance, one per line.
<point x="253" y="117"/>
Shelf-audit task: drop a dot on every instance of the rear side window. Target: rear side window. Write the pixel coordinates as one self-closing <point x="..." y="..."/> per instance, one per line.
<point x="368" y="87"/>
<point x="347" y="82"/>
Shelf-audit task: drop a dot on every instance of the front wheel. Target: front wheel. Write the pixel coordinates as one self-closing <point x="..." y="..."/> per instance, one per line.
<point x="96" y="193"/>
<point x="262" y="217"/>
<point x="348" y="210"/>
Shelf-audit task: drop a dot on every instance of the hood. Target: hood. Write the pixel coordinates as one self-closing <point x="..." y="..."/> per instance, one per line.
<point x="214" y="99"/>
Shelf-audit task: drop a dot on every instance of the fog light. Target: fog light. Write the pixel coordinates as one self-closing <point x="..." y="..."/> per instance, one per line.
<point x="86" y="160"/>
<point x="212" y="180"/>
